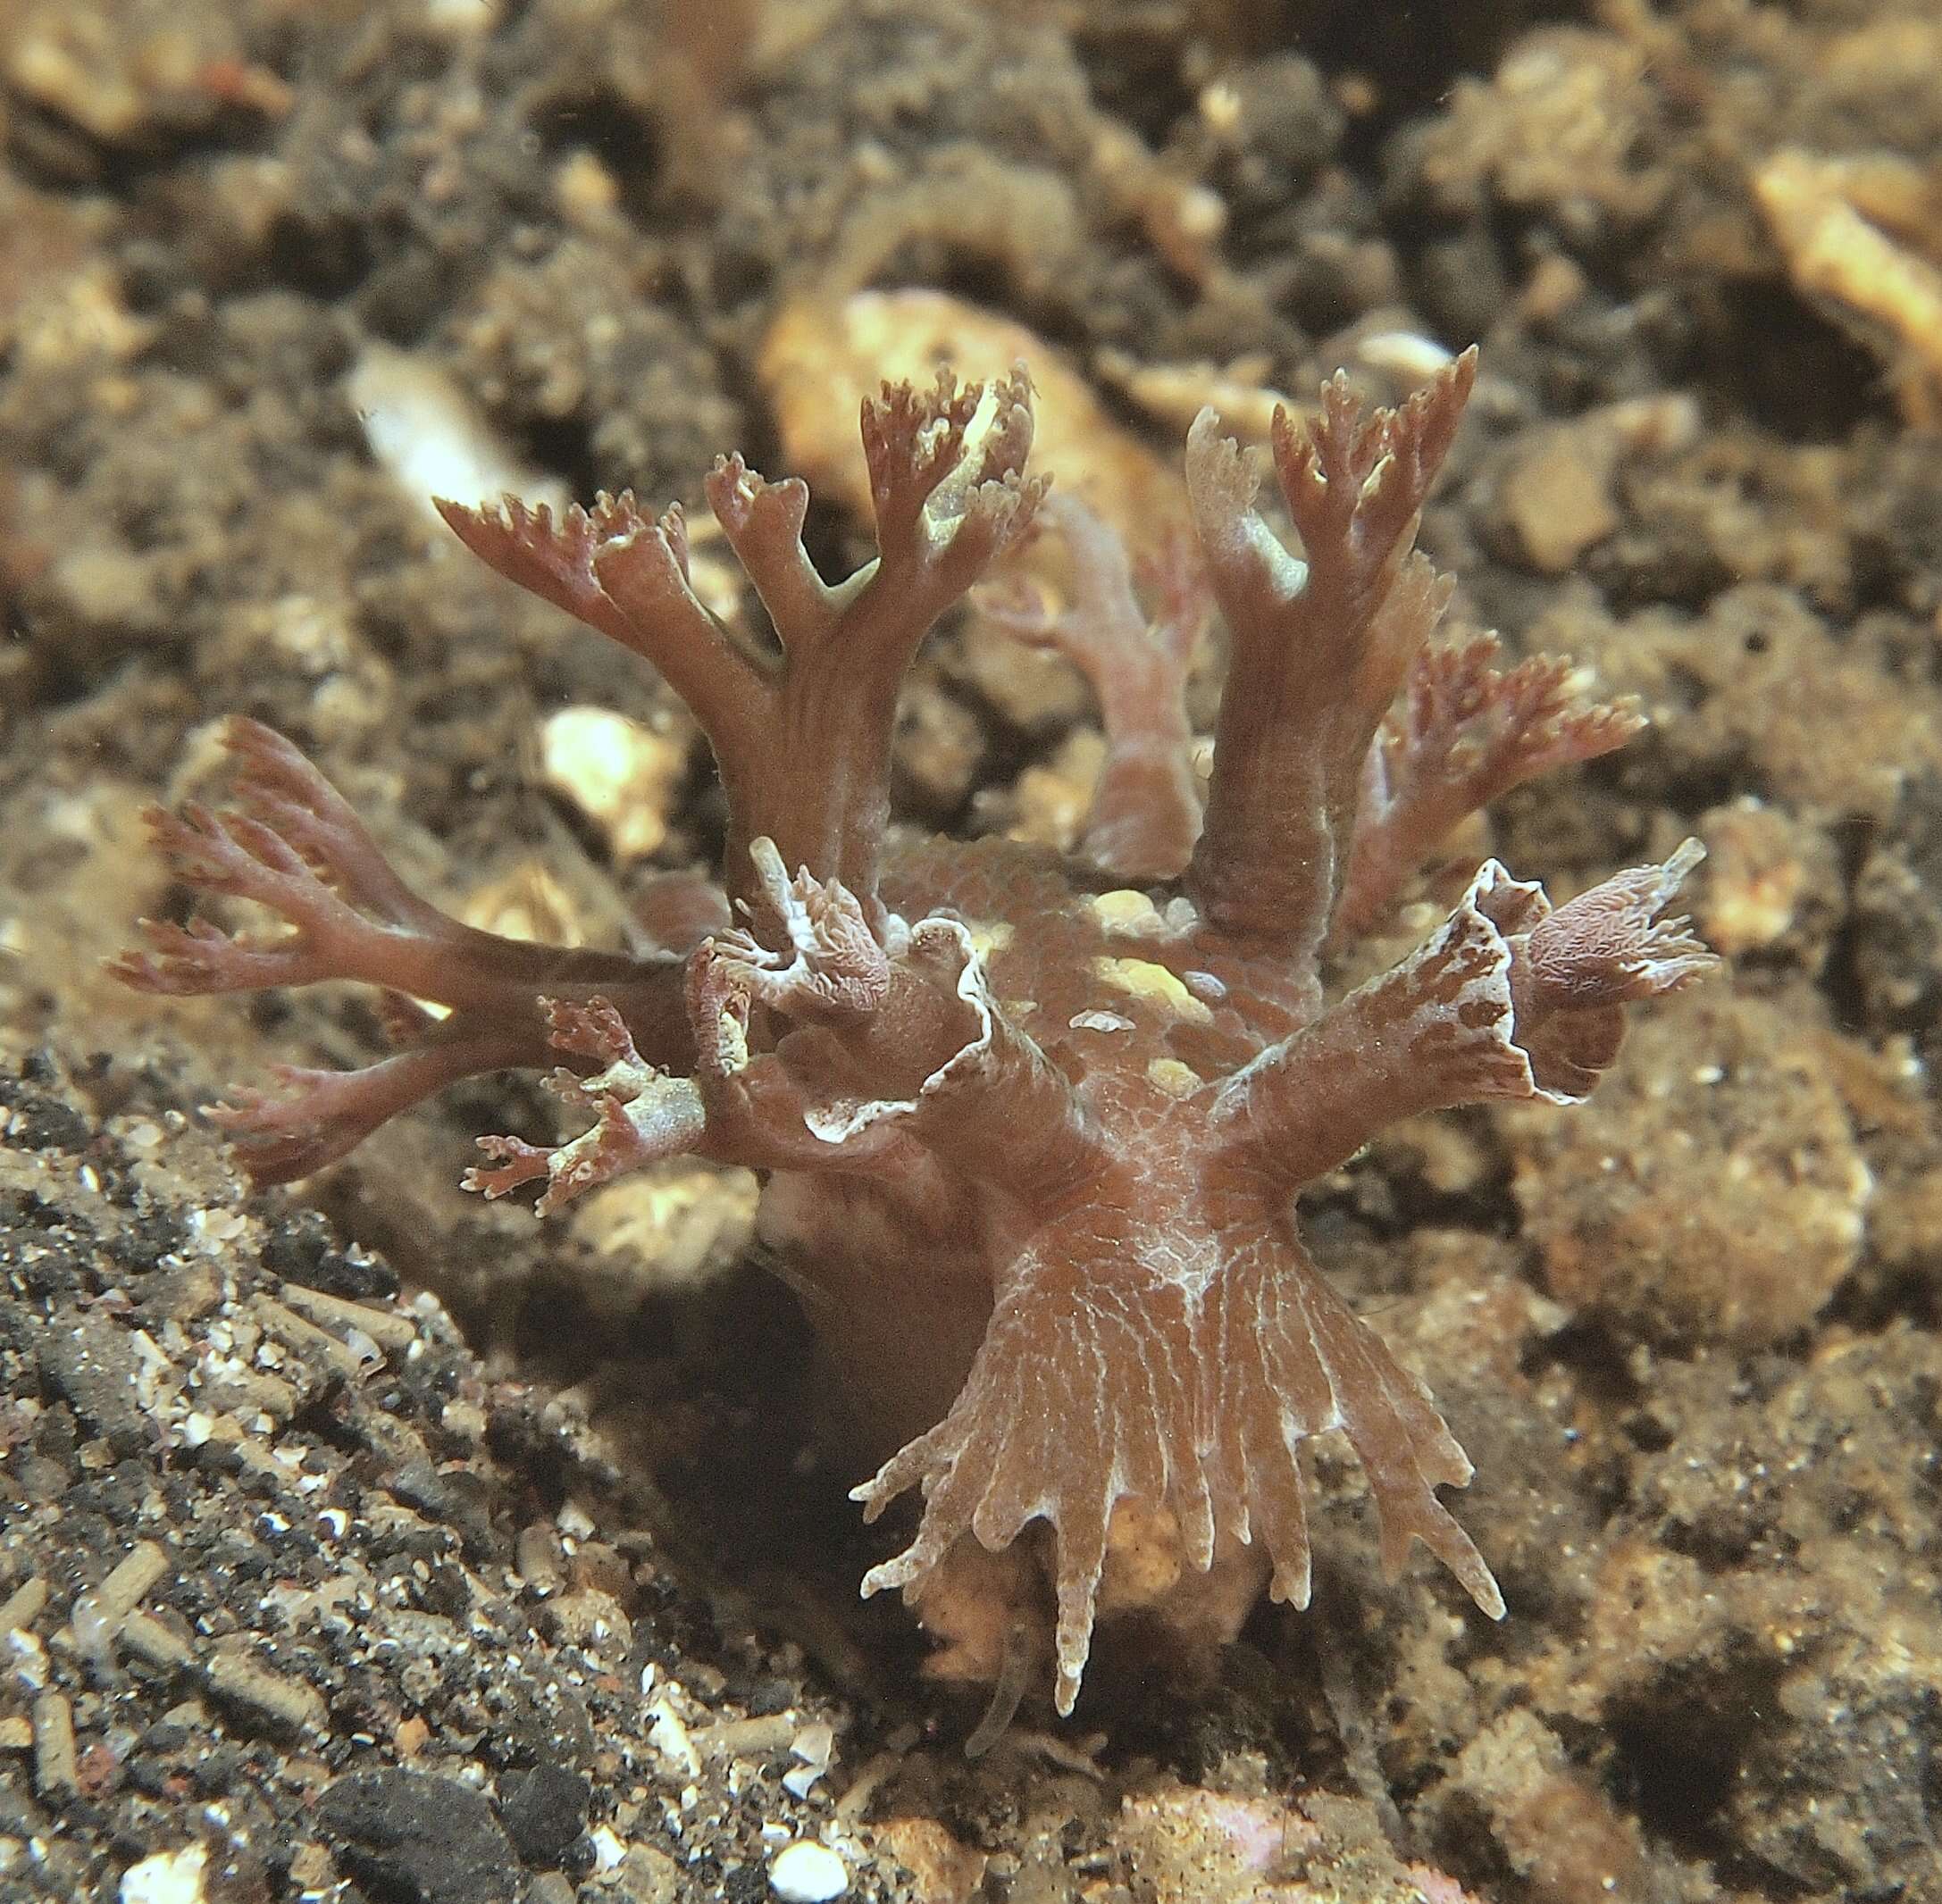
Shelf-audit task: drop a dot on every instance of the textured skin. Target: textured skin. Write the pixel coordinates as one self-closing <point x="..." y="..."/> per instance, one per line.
<point x="1166" y="1339"/>
<point x="1033" y="1127"/>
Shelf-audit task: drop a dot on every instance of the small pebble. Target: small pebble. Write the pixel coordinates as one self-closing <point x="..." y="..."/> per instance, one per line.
<point x="168" y="1877"/>
<point x="807" y="1873"/>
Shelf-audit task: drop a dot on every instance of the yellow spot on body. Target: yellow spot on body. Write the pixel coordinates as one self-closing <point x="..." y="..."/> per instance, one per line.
<point x="1142" y="978"/>
<point x="1175" y="1079"/>
<point x="1123" y="910"/>
<point x="987" y="935"/>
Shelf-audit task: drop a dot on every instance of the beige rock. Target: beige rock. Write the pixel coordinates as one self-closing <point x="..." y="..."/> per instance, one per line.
<point x="528" y="903"/>
<point x="941" y="1870"/>
<point x="819" y="363"/>
<point x="1556" y="496"/>
<point x="662" y="1228"/>
<point x="1770" y="879"/>
<point x="1819" y="209"/>
<point x="1713" y="1190"/>
<point x="1048" y="805"/>
<point x="1181" y="1842"/>
<point x="622" y="774"/>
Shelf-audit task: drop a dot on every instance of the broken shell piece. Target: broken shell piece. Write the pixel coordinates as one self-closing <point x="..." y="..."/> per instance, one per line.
<point x="807" y="1873"/>
<point x="813" y="1746"/>
<point x="425" y="430"/>
<point x="1887" y="292"/>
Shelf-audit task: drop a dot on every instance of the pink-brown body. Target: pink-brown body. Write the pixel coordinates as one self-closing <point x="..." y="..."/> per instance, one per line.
<point x="1033" y="1126"/>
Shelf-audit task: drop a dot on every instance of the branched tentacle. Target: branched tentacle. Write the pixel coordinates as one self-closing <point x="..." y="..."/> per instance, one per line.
<point x="1146" y="810"/>
<point x="625" y="572"/>
<point x="295" y="847"/>
<point x="1319" y="645"/>
<point x="1081" y="1396"/>
<point x="315" y="1117"/>
<point x="802" y="737"/>
<point x="1464" y="734"/>
<point x="1573" y="971"/>
<point x="644" y="1114"/>
<point x="1284" y="1359"/>
<point x="1507" y="1000"/>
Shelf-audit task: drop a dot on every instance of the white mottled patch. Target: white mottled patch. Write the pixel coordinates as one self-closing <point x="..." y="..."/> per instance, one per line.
<point x="731" y="1044"/>
<point x="1099" y="1022"/>
<point x="842" y="1120"/>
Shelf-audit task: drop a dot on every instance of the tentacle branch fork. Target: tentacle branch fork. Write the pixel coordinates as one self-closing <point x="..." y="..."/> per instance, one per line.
<point x="1031" y="1126"/>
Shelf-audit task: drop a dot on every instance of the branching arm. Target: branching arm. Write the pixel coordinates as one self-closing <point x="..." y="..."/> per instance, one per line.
<point x="948" y="486"/>
<point x="626" y="574"/>
<point x="293" y="846"/>
<point x="802" y="737"/>
<point x="1146" y="813"/>
<point x="1465" y="734"/>
<point x="1507" y="999"/>
<point x="1319" y="645"/>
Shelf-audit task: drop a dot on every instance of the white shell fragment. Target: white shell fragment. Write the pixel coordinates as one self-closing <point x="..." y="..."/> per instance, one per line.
<point x="807" y="1873"/>
<point x="425" y="430"/>
<point x="167" y="1877"/>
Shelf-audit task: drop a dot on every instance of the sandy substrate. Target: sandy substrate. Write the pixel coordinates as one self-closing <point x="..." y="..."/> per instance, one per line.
<point x="361" y="1540"/>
